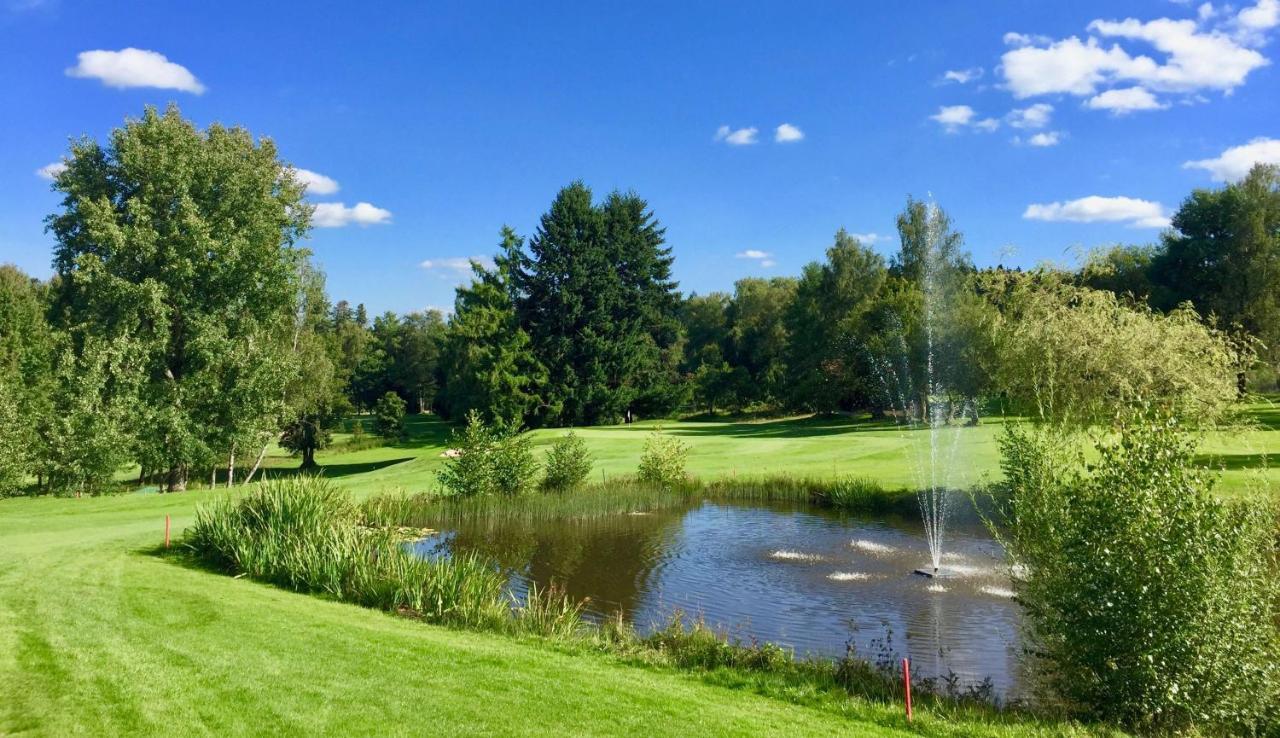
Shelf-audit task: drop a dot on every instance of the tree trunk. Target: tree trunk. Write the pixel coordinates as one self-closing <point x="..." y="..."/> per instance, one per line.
<point x="213" y="478"/>
<point x="308" y="458"/>
<point x="256" y="464"/>
<point x="231" y="466"/>
<point x="177" y="481"/>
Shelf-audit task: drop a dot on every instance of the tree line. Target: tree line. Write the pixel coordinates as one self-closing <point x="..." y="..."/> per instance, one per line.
<point x="186" y="328"/>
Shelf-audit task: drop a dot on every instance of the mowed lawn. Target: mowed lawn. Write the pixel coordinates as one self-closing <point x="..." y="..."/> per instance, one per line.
<point x="100" y="636"/>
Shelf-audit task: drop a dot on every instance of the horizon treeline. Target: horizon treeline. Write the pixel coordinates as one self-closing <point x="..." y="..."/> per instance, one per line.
<point x="186" y="329"/>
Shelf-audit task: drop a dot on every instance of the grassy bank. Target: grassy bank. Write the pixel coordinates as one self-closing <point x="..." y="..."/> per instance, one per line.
<point x="305" y="535"/>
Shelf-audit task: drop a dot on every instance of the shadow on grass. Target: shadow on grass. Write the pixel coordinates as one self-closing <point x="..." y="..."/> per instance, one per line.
<point x="333" y="471"/>
<point x="1232" y="461"/>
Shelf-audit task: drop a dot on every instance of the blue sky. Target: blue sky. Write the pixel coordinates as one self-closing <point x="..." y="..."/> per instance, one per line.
<point x="1043" y="128"/>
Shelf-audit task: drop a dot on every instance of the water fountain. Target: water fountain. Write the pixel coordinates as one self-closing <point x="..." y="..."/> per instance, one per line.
<point x="919" y="394"/>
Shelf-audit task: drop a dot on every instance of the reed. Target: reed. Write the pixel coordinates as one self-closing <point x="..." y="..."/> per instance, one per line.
<point x="626" y="495"/>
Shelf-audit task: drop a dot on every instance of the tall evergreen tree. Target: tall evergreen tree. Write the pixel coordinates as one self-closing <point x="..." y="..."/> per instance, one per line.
<point x="593" y="290"/>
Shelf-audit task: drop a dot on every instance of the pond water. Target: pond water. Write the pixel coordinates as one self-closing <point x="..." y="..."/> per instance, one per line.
<point x="806" y="578"/>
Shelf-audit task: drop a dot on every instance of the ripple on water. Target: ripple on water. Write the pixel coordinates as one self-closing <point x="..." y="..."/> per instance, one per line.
<point x="785" y="555"/>
<point x="848" y="576"/>
<point x="872" y="547"/>
<point x="935" y="588"/>
<point x="997" y="592"/>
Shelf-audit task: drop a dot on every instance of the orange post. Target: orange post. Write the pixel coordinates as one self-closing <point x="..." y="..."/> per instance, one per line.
<point x="906" y="684"/>
<point x="166" y="531"/>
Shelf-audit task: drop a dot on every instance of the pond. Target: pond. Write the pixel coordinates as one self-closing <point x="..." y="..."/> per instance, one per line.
<point x="802" y="577"/>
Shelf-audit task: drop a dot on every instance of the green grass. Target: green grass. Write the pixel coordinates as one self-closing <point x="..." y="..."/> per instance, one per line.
<point x="100" y="636"/>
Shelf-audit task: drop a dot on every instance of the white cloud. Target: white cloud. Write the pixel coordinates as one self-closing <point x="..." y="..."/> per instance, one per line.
<point x="336" y="215"/>
<point x="1022" y="39"/>
<point x="135" y="68"/>
<point x="953" y="118"/>
<point x="739" y="137"/>
<point x="752" y="254"/>
<point x="867" y="239"/>
<point x="766" y="263"/>
<point x="316" y="183"/>
<point x="787" y="133"/>
<point x="1124" y="101"/>
<point x="1045" y="138"/>
<point x="1261" y="17"/>
<point x="1235" y="162"/>
<point x="456" y="265"/>
<point x="1096" y="209"/>
<point x="1193" y="55"/>
<point x="1034" y="116"/>
<point x="51" y="171"/>
<point x="962" y="76"/>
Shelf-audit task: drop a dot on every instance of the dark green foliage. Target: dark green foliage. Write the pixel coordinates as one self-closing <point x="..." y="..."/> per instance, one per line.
<point x="758" y="338"/>
<point x="568" y="464"/>
<point x="1151" y="603"/>
<point x="488" y="459"/>
<point x="826" y="361"/>
<point x="25" y="363"/>
<point x="388" y="417"/>
<point x="593" y="291"/>
<point x="663" y="461"/>
<point x="488" y="357"/>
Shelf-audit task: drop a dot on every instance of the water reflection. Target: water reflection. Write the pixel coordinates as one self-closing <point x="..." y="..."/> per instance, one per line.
<point x="801" y="577"/>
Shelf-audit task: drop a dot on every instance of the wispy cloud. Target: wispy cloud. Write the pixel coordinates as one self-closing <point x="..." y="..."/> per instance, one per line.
<point x="135" y="68"/>
<point x="51" y="171"/>
<point x="1045" y="138"/>
<point x="1125" y="101"/>
<point x="455" y="265"/>
<point x="1132" y="211"/>
<point x="868" y="239"/>
<point x="337" y="215"/>
<point x="954" y="118"/>
<point x="1235" y="162"/>
<point x="962" y="76"/>
<point x="1032" y="116"/>
<point x="764" y="258"/>
<point x="737" y="137"/>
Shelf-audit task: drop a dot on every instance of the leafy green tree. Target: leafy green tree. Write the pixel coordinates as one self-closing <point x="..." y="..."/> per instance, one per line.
<point x="1223" y="256"/>
<point x="315" y="401"/>
<point x="86" y="437"/>
<point x="826" y="321"/>
<point x="1072" y="355"/>
<point x="1127" y="271"/>
<point x="488" y="359"/>
<point x="25" y="373"/>
<point x="758" y="335"/>
<point x="705" y="322"/>
<point x="388" y="420"/>
<point x="185" y="241"/>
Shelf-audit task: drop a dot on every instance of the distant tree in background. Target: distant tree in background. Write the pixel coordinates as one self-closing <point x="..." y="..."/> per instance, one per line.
<point x="758" y="336"/>
<point x="826" y="361"/>
<point x="488" y="359"/>
<point x="314" y="400"/>
<point x="25" y="375"/>
<point x="183" y="242"/>
<point x="388" y="417"/>
<point x="1223" y="256"/>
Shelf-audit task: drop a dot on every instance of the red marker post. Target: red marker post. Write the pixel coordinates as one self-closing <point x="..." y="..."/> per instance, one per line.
<point x="906" y="684"/>
<point x="166" y="531"/>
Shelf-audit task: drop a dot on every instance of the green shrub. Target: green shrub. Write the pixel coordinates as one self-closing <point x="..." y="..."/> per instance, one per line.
<point x="388" y="416"/>
<point x="568" y="464"/>
<point x="663" y="460"/>
<point x="488" y="460"/>
<point x="1151" y="603"/>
